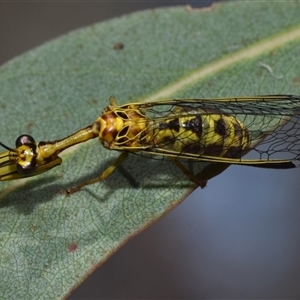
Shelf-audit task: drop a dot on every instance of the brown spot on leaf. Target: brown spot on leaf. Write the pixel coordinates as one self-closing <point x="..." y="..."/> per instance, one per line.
<point x="72" y="247"/>
<point x="118" y="46"/>
<point x="296" y="80"/>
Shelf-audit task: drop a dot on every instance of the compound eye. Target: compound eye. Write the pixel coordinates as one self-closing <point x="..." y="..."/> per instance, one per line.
<point x="24" y="139"/>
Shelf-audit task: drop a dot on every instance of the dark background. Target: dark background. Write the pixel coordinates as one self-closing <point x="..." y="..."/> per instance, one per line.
<point x="238" y="238"/>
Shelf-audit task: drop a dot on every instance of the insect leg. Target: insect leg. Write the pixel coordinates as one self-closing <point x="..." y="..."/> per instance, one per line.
<point x="113" y="101"/>
<point x="201" y="183"/>
<point x="102" y="176"/>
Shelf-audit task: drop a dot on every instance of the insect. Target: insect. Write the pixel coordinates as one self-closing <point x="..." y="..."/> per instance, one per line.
<point x="261" y="131"/>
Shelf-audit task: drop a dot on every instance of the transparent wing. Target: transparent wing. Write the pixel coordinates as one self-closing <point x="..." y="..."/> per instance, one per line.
<point x="272" y="122"/>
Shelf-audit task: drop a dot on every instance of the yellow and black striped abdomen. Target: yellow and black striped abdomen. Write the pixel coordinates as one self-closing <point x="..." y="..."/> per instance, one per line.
<point x="203" y="132"/>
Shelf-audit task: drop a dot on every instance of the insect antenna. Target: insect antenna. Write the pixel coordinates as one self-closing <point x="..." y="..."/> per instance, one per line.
<point x="7" y="148"/>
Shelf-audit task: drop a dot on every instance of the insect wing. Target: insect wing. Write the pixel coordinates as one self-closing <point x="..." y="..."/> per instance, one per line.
<point x="272" y="123"/>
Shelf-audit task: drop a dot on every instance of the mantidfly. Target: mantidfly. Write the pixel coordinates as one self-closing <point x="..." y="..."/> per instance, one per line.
<point x="220" y="131"/>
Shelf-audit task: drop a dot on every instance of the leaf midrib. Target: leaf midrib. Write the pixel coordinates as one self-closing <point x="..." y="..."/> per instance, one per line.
<point x="250" y="52"/>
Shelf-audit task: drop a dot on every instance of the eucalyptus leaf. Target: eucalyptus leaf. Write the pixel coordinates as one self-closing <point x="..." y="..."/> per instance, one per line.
<point x="51" y="241"/>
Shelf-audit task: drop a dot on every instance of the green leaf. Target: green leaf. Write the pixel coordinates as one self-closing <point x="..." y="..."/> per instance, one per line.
<point x="50" y="241"/>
